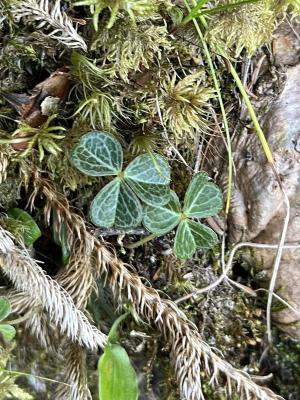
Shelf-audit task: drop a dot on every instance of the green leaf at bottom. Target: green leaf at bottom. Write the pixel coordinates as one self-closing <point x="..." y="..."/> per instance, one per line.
<point x="117" y="377"/>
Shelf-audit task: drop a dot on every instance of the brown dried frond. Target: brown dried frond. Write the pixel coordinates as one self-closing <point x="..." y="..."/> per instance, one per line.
<point x="77" y="278"/>
<point x="27" y="276"/>
<point x="74" y="374"/>
<point x="190" y="354"/>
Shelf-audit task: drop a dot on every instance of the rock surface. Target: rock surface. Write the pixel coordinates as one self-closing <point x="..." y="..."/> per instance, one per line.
<point x="258" y="209"/>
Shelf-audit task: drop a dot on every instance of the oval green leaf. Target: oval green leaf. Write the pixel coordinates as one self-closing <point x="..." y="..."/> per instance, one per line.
<point x="184" y="246"/>
<point x="31" y="230"/>
<point x="202" y="199"/>
<point x="162" y="219"/>
<point x="8" y="332"/>
<point x="116" y="205"/>
<point x="98" y="154"/>
<point x="149" y="177"/>
<point x="5" y="308"/>
<point x="204" y="237"/>
<point x="117" y="377"/>
<point x="191" y="236"/>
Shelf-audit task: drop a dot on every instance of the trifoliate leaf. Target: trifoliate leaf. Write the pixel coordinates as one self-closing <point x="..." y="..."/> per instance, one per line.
<point x="8" y="331"/>
<point x="149" y="177"/>
<point x="5" y="308"/>
<point x="184" y="246"/>
<point x="31" y="230"/>
<point x="98" y="154"/>
<point x="202" y="199"/>
<point x="162" y="219"/>
<point x="117" y="377"/>
<point x="116" y="205"/>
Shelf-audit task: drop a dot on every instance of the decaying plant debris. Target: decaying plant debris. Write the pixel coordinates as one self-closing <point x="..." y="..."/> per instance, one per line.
<point x="137" y="70"/>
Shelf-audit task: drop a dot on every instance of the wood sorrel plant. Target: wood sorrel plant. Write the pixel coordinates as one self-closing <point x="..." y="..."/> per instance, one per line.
<point x="202" y="199"/>
<point x="117" y="204"/>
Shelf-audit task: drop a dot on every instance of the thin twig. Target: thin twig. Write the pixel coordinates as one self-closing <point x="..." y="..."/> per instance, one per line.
<point x="277" y="264"/>
<point x="228" y="266"/>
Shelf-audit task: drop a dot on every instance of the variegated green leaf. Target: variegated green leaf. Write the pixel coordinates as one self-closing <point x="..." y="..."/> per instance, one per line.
<point x="117" y="377"/>
<point x="184" y="246"/>
<point x="116" y="205"/>
<point x="202" y="199"/>
<point x="149" y="177"/>
<point x="98" y="154"/>
<point x="204" y="237"/>
<point x="104" y="205"/>
<point x="162" y="219"/>
<point x="191" y="236"/>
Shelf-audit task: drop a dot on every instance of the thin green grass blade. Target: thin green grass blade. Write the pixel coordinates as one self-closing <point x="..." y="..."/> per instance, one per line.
<point x="252" y="114"/>
<point x="220" y="99"/>
<point x="194" y="12"/>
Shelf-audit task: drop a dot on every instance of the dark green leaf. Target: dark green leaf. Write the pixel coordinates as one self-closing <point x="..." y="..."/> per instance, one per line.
<point x="5" y="308"/>
<point x="202" y="199"/>
<point x="162" y="219"/>
<point x="116" y="205"/>
<point x="31" y="230"/>
<point x="98" y="154"/>
<point x="149" y="177"/>
<point x="117" y="377"/>
<point x="7" y="331"/>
